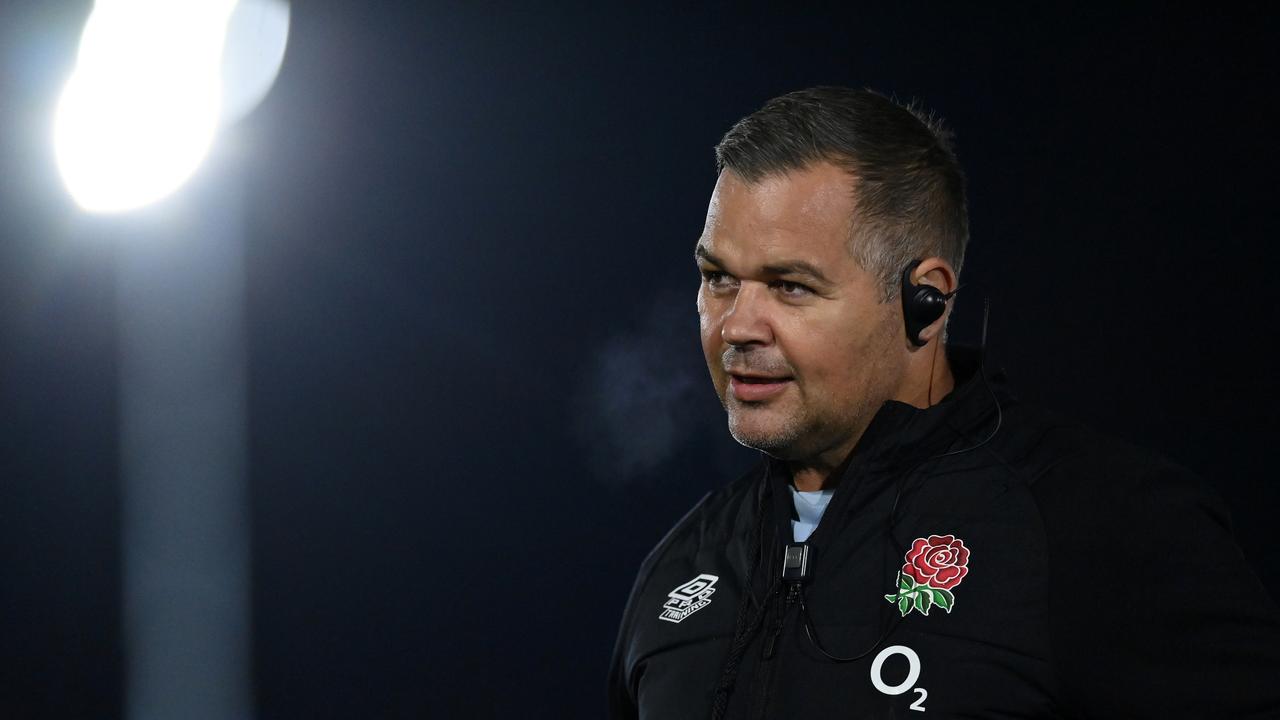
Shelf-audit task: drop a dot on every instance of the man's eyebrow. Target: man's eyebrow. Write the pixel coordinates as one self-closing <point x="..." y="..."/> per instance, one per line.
<point x="797" y="267"/>
<point x="793" y="267"/>
<point x="702" y="253"/>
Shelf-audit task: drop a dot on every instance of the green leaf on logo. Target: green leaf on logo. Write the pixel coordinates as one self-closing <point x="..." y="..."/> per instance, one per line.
<point x="943" y="598"/>
<point x="924" y="601"/>
<point x="904" y="605"/>
<point x="904" y="582"/>
<point x="891" y="598"/>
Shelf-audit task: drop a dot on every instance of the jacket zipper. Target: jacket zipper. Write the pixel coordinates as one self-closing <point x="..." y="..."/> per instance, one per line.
<point x="771" y="642"/>
<point x="765" y="687"/>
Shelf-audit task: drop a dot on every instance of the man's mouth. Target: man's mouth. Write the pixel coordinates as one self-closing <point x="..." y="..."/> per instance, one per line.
<point x="756" y="388"/>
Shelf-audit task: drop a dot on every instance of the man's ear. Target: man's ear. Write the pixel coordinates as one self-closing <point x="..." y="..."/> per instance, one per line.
<point x="938" y="273"/>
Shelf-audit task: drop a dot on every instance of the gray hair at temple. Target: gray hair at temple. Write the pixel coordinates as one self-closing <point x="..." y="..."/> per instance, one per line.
<point x="909" y="189"/>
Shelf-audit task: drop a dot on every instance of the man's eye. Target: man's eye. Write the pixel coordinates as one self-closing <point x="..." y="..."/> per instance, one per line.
<point x="716" y="279"/>
<point x="793" y="289"/>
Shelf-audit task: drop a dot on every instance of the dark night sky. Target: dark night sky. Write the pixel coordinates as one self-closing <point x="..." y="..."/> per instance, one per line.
<point x="476" y="394"/>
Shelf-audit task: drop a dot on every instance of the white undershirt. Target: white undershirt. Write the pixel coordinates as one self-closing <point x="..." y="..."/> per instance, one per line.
<point x="809" y="508"/>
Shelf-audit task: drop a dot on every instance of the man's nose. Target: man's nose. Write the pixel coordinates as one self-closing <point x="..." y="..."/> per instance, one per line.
<point x="747" y="321"/>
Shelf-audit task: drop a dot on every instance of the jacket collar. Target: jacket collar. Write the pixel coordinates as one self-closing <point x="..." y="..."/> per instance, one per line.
<point x="901" y="433"/>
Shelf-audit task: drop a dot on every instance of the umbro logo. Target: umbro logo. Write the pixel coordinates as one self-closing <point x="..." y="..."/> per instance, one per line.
<point x="689" y="598"/>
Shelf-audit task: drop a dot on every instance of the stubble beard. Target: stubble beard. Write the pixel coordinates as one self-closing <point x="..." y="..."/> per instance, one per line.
<point x="779" y="442"/>
<point x="799" y="435"/>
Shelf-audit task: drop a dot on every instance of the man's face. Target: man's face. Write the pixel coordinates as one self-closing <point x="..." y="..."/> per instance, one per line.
<point x="800" y="348"/>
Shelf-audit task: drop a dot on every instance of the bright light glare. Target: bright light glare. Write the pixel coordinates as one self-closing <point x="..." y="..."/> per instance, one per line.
<point x="256" y="36"/>
<point x="141" y="107"/>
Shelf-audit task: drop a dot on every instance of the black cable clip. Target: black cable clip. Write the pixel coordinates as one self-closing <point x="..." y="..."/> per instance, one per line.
<point x="795" y="562"/>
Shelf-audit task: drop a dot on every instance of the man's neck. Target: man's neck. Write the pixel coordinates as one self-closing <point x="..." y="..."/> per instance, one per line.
<point x="808" y="478"/>
<point x="932" y="386"/>
<point x="824" y="470"/>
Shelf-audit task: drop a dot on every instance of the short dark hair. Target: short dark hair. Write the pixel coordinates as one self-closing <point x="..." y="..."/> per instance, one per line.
<point x="909" y="189"/>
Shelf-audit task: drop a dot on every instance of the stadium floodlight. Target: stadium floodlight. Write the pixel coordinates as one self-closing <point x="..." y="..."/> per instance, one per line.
<point x="149" y="88"/>
<point x="152" y="84"/>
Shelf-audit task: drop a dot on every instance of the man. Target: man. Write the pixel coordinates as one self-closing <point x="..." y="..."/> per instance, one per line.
<point x="914" y="539"/>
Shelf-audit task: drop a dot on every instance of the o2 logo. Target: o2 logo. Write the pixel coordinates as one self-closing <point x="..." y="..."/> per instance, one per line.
<point x="913" y="674"/>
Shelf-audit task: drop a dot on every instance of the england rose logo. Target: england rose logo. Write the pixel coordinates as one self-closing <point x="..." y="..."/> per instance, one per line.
<point x="932" y="567"/>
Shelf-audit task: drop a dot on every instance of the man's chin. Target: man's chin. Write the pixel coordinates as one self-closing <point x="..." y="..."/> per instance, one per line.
<point x="774" y="441"/>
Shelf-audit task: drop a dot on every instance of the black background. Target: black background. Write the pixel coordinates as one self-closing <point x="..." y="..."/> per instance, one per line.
<point x="476" y="393"/>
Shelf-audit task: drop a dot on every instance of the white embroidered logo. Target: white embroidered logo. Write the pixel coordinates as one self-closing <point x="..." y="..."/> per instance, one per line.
<point x="689" y="598"/>
<point x="913" y="674"/>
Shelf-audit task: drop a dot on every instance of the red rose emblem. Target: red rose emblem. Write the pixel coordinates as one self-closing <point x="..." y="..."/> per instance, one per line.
<point x="940" y="562"/>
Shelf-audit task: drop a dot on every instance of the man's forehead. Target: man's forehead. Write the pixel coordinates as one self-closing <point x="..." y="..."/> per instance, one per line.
<point x="779" y="220"/>
<point x="818" y="194"/>
<point x="804" y="211"/>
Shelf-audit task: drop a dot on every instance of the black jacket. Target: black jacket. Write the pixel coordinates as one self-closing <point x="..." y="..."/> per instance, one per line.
<point x="1064" y="575"/>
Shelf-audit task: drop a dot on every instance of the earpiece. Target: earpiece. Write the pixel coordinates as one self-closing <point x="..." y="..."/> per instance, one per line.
<point x="921" y="304"/>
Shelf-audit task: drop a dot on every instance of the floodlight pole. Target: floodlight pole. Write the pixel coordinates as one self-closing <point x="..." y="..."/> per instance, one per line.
<point x="184" y="455"/>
